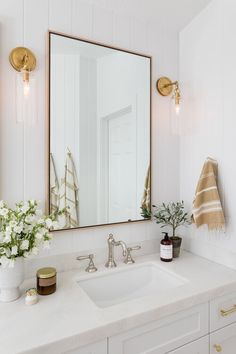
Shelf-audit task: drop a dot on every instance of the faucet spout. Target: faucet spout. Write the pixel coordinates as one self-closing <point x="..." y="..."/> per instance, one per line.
<point x="111" y="243"/>
<point x="124" y="247"/>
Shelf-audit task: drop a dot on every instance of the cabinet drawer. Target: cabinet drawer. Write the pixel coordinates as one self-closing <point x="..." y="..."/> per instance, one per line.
<point x="222" y="311"/>
<point x="200" y="346"/>
<point x="95" y="348"/>
<point x="164" y="335"/>
<point x="224" y="340"/>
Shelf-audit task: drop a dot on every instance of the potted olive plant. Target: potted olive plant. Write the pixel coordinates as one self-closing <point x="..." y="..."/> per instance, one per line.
<point x="173" y="215"/>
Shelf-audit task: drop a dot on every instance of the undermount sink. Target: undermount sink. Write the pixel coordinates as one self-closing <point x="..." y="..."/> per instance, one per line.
<point x="112" y="287"/>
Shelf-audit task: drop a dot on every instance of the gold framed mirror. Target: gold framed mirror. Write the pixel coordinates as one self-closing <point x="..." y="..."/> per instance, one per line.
<point x="99" y="133"/>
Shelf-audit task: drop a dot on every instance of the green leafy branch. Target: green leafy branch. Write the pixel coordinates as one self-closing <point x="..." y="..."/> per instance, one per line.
<point x="171" y="214"/>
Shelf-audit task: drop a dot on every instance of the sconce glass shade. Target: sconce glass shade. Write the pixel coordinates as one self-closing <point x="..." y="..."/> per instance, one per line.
<point x="24" y="62"/>
<point x="177" y="108"/>
<point x="176" y="104"/>
<point x="26" y="110"/>
<point x="175" y="121"/>
<point x="165" y="87"/>
<point x="177" y="97"/>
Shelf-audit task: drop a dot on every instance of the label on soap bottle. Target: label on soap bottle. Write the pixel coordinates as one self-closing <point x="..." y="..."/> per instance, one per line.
<point x="166" y="251"/>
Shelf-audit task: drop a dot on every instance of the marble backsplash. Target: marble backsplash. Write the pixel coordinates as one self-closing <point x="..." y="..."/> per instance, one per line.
<point x="67" y="261"/>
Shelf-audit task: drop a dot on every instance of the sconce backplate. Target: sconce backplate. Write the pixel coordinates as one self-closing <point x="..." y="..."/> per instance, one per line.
<point x="164" y="86"/>
<point x="22" y="58"/>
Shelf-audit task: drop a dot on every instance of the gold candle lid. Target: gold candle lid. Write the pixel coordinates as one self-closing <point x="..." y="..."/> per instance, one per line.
<point x="48" y="272"/>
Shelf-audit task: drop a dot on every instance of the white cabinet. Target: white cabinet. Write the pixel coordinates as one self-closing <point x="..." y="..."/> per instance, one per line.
<point x="222" y="311"/>
<point x="200" y="346"/>
<point x="95" y="348"/>
<point x="208" y="328"/>
<point x="162" y="336"/>
<point x="224" y="340"/>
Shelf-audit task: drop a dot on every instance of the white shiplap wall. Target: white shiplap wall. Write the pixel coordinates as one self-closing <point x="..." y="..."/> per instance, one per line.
<point x="208" y="75"/>
<point x="22" y="148"/>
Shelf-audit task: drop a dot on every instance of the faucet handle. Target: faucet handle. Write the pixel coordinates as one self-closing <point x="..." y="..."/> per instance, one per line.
<point x="91" y="267"/>
<point x="129" y="259"/>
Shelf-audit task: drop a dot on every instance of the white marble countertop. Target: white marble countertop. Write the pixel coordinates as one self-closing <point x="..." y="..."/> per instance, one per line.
<point x="68" y="319"/>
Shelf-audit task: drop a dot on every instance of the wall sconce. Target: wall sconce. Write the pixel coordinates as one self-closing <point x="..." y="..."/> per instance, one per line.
<point x="24" y="62"/>
<point x="166" y="87"/>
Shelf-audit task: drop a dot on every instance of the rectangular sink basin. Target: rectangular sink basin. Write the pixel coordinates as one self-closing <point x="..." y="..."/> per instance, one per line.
<point x="113" y="287"/>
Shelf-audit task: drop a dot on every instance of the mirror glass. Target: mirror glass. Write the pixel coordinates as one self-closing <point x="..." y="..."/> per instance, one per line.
<point x="99" y="132"/>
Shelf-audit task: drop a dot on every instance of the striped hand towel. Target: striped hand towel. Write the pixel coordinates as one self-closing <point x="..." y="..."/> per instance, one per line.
<point x="69" y="195"/>
<point x="146" y="199"/>
<point x="54" y="186"/>
<point x="207" y="208"/>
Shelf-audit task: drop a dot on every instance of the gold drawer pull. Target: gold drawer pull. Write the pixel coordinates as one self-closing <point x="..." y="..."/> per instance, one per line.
<point x="218" y="348"/>
<point x="225" y="313"/>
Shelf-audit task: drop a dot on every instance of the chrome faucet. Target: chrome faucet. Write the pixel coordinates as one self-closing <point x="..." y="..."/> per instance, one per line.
<point x="111" y="243"/>
<point x="129" y="258"/>
<point x="91" y="267"/>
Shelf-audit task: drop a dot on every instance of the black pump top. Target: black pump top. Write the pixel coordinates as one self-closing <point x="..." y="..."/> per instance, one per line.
<point x="166" y="237"/>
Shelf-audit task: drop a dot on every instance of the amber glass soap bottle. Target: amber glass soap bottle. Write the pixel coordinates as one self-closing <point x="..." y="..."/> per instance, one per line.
<point x="166" y="249"/>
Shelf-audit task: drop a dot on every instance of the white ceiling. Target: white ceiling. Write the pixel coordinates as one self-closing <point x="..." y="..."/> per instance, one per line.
<point x="175" y="14"/>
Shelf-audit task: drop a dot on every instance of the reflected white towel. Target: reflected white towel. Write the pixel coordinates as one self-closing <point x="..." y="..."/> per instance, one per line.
<point x="54" y="187"/>
<point x="69" y="195"/>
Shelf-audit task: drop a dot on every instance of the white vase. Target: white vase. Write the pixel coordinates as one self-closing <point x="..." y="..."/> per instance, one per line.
<point x="10" y="280"/>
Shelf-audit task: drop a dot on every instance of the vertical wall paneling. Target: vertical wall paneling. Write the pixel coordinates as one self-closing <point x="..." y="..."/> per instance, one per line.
<point x="139" y="35"/>
<point x="103" y="25"/>
<point x="82" y="18"/>
<point x="228" y="142"/>
<point x="11" y="133"/>
<point x="121" y="30"/>
<point x="35" y="36"/>
<point x="207" y="75"/>
<point x="60" y="14"/>
<point x="22" y="151"/>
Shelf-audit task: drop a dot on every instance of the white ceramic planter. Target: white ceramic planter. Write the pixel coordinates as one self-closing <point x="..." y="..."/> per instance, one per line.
<point x="10" y="280"/>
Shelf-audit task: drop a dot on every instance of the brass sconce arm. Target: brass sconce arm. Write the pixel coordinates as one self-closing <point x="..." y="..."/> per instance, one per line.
<point x="171" y="84"/>
<point x="165" y="87"/>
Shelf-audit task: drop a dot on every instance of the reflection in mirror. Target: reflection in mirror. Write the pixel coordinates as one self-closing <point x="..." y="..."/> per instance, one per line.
<point x="99" y="133"/>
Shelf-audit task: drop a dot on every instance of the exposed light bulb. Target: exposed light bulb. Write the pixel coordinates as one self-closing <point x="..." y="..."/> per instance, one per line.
<point x="177" y="98"/>
<point x="176" y="103"/>
<point x="26" y="85"/>
<point x="26" y="88"/>
<point x="26" y="98"/>
<point x="177" y="108"/>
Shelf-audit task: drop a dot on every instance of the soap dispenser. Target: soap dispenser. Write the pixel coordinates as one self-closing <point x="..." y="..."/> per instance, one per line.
<point x="166" y="248"/>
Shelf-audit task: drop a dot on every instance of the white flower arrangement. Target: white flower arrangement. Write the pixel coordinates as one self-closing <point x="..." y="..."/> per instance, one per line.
<point x="23" y="231"/>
